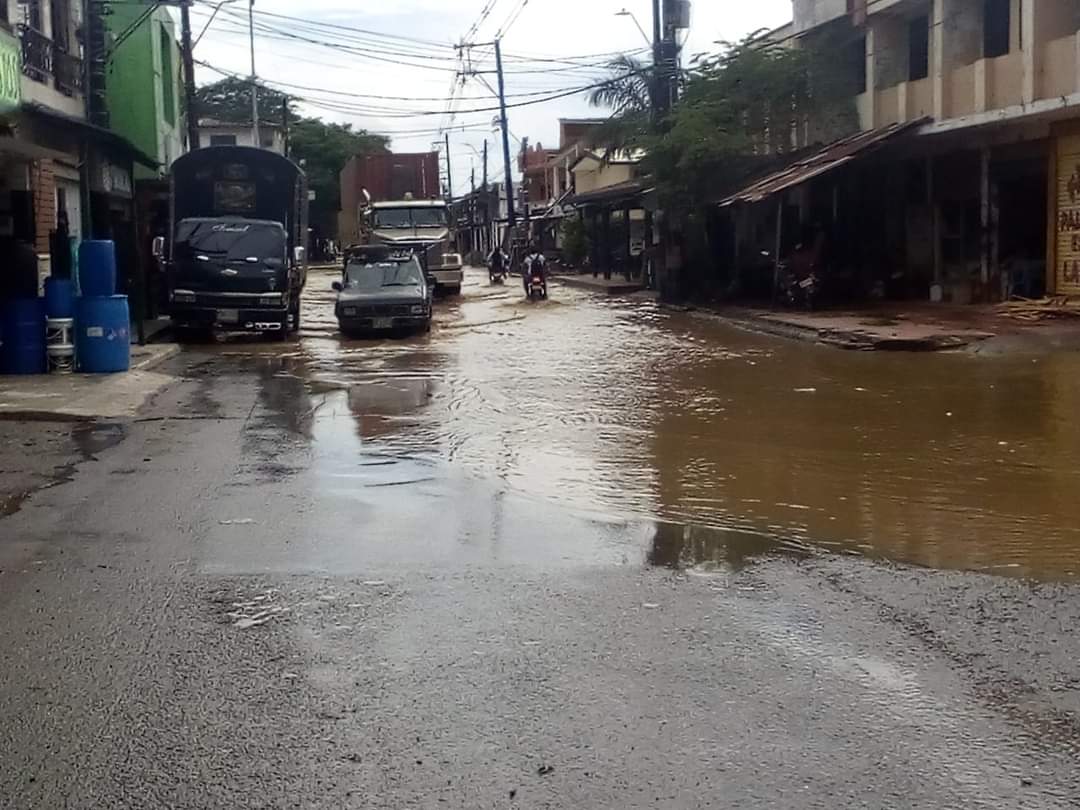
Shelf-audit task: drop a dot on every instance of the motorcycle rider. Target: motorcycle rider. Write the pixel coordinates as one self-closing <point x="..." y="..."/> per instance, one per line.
<point x="534" y="262"/>
<point x="497" y="262"/>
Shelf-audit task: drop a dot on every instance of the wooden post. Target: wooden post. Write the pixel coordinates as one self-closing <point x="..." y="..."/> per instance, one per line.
<point x="984" y="217"/>
<point x="1051" y="216"/>
<point x="779" y="244"/>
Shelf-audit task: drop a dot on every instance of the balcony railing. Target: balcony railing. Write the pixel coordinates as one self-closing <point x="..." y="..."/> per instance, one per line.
<point x="43" y="60"/>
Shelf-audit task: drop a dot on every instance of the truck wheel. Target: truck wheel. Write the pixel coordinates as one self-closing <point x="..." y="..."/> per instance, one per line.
<point x="455" y="290"/>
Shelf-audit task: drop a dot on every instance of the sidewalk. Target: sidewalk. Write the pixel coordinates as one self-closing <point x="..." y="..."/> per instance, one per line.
<point x="908" y="326"/>
<point x="87" y="396"/>
<point x="616" y="285"/>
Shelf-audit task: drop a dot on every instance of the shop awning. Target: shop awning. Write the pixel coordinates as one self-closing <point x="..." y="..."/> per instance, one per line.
<point x="620" y="192"/>
<point x="831" y="157"/>
<point x="100" y="135"/>
<point x="27" y="150"/>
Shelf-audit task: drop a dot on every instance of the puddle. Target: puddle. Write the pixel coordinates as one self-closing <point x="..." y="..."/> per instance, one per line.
<point x="667" y="419"/>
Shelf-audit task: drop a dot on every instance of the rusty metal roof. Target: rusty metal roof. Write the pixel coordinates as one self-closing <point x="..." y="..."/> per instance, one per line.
<point x="837" y="154"/>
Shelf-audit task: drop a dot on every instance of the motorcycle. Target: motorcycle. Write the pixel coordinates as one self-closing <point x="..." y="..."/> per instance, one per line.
<point x="496" y="275"/>
<point x="799" y="292"/>
<point x="537" y="286"/>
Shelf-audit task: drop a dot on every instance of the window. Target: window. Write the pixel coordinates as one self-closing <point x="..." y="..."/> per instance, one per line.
<point x="919" y="48"/>
<point x="168" y="78"/>
<point x="855" y="53"/>
<point x="996" y="28"/>
<point x="60" y="11"/>
<point x="223" y="140"/>
<point x="266" y="140"/>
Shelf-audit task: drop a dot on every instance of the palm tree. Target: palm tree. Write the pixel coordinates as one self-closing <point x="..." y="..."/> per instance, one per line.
<point x="628" y="90"/>
<point x="628" y="93"/>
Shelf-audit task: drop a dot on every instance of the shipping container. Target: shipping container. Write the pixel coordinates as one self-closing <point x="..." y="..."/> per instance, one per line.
<point x="392" y="177"/>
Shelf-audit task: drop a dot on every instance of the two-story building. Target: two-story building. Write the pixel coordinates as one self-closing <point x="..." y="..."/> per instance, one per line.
<point x="61" y="169"/>
<point x="971" y="112"/>
<point x="225" y="133"/>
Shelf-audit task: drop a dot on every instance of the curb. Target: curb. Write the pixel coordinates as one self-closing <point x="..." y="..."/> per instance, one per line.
<point x="156" y="358"/>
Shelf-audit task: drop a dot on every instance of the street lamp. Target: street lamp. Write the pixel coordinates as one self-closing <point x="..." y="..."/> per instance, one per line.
<point x="630" y="14"/>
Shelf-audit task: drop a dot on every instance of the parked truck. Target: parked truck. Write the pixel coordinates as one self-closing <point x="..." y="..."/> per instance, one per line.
<point x="395" y="200"/>
<point x="236" y="258"/>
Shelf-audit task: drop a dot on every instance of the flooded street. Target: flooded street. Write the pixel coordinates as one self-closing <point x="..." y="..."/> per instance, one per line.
<point x="582" y="553"/>
<point x="715" y="443"/>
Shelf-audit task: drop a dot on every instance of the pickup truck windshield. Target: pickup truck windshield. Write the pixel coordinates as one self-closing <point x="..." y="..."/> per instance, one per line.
<point x="360" y="276"/>
<point x="427" y="217"/>
<point x="230" y="241"/>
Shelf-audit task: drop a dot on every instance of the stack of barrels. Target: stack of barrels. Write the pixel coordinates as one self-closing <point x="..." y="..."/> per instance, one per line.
<point x="102" y="318"/>
<point x="62" y="332"/>
<point x="22" y="312"/>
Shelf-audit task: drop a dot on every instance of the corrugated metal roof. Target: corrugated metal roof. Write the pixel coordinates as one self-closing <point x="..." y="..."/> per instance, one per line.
<point x="837" y="154"/>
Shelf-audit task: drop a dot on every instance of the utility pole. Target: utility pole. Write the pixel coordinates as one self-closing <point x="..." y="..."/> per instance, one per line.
<point x="449" y="175"/>
<point x="186" y="52"/>
<point x="254" y="86"/>
<point x="658" y="83"/>
<point x="511" y="217"/>
<point x="486" y="224"/>
<point x="485" y="166"/>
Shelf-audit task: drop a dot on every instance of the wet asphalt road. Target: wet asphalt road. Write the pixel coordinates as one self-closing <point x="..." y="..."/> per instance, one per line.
<point x="425" y="573"/>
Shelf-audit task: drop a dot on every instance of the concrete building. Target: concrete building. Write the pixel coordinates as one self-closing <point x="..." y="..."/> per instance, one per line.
<point x="979" y="197"/>
<point x="61" y="171"/>
<point x="144" y="85"/>
<point x="224" y="133"/>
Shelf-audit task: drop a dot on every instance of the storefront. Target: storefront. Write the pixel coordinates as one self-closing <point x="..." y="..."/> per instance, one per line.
<point x="1063" y="276"/>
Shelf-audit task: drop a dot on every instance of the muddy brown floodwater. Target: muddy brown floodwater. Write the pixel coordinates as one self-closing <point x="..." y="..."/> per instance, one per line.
<point x="728" y="442"/>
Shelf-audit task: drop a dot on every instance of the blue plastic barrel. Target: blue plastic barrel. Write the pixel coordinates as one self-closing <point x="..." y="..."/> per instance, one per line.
<point x="102" y="334"/>
<point x="97" y="268"/>
<point x="59" y="297"/>
<point x="22" y="329"/>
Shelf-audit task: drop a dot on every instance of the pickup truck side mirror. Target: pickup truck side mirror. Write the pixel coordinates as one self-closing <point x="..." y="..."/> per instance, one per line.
<point x="299" y="254"/>
<point x="337" y="286"/>
<point x="157" y="247"/>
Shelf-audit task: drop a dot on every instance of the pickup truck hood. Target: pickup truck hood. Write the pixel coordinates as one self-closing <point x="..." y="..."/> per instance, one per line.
<point x="385" y="295"/>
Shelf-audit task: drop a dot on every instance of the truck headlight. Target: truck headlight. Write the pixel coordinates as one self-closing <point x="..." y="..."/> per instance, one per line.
<point x="451" y="259"/>
<point x="418" y="309"/>
<point x="271" y="299"/>
<point x="183" y="297"/>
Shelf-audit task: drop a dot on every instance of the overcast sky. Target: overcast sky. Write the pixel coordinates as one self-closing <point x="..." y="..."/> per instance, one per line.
<point x="339" y="84"/>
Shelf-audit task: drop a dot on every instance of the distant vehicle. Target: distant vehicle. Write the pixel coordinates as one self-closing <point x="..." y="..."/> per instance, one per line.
<point x="379" y="294"/>
<point x="393" y="200"/>
<point x="535" y="277"/>
<point x="236" y="259"/>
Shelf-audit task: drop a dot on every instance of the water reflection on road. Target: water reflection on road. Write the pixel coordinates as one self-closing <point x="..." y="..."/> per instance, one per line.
<point x="729" y="443"/>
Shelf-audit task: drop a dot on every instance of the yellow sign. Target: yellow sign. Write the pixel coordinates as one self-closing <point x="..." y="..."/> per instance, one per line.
<point x="1067" y="271"/>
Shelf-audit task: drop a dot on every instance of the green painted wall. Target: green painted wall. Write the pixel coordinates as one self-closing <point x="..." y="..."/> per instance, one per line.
<point x="135" y="89"/>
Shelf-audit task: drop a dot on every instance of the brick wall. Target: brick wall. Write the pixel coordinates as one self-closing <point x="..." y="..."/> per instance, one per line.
<point x="43" y="191"/>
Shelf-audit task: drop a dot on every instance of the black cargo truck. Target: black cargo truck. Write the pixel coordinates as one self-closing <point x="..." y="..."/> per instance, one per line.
<point x="236" y="258"/>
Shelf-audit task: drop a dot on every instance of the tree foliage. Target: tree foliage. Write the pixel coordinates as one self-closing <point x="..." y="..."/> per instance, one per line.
<point x="738" y="110"/>
<point x="324" y="148"/>
<point x="229" y="100"/>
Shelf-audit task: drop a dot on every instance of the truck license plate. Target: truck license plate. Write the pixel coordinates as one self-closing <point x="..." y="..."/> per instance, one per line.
<point x="383" y="323"/>
<point x="228" y="315"/>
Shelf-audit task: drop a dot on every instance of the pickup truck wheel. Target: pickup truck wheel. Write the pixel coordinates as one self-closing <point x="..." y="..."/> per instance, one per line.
<point x="455" y="290"/>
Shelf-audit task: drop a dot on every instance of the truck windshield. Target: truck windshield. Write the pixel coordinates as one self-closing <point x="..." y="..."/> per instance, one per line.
<point x="428" y="217"/>
<point x="230" y="241"/>
<point x="383" y="274"/>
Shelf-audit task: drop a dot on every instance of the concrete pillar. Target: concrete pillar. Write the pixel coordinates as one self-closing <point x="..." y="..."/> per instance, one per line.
<point x="871" y="76"/>
<point x="982" y="86"/>
<point x="985" y="216"/>
<point x="1029" y="52"/>
<point x="937" y="58"/>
